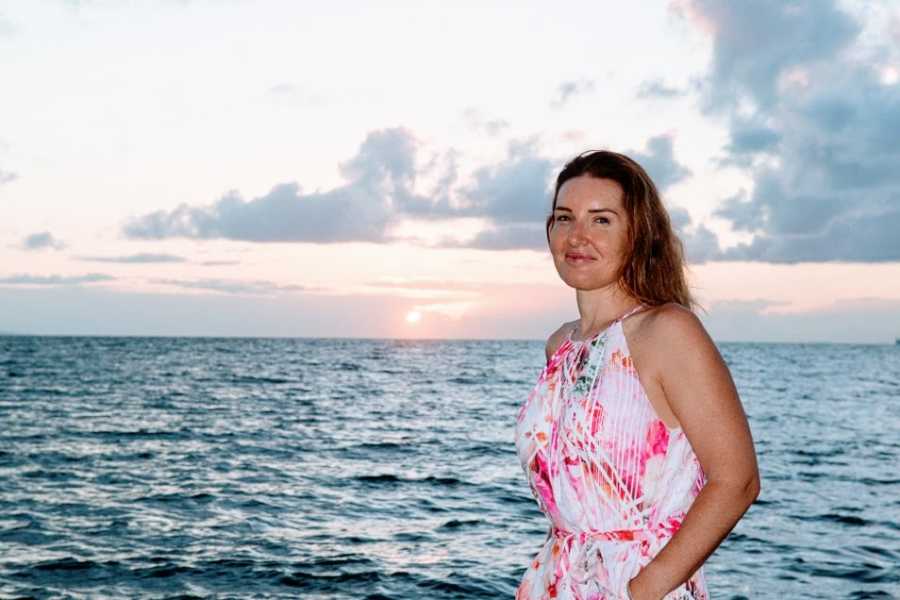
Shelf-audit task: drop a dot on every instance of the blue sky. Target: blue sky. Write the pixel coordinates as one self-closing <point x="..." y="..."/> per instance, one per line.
<point x="372" y="170"/>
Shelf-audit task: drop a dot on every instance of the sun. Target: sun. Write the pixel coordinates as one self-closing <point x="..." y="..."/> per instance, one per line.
<point x="413" y="317"/>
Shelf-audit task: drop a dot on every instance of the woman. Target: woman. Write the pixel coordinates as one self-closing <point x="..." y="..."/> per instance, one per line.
<point x="634" y="440"/>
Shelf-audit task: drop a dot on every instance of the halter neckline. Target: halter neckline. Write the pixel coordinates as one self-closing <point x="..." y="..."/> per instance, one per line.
<point x="605" y="329"/>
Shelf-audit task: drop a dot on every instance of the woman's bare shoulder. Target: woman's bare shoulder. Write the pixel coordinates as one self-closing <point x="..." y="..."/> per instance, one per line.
<point x="557" y="337"/>
<point x="673" y="323"/>
<point x="673" y="338"/>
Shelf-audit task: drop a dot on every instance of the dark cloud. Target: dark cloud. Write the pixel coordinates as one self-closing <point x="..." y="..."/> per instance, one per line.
<point x="749" y="139"/>
<point x="357" y="211"/>
<point x="755" y="44"/>
<point x="512" y="236"/>
<point x="861" y="238"/>
<point x="285" y="214"/>
<point x="381" y="179"/>
<point x="815" y="127"/>
<point x="516" y="194"/>
<point x="26" y="279"/>
<point x="512" y="195"/>
<point x="848" y="321"/>
<point x="658" y="159"/>
<point x="700" y="243"/>
<point x="516" y="189"/>
<point x="42" y="240"/>
<point x="136" y="258"/>
<point x="231" y="286"/>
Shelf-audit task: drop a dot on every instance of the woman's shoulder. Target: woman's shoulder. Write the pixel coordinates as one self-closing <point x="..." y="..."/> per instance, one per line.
<point x="558" y="337"/>
<point x="669" y="319"/>
<point x="667" y="327"/>
<point x="672" y="333"/>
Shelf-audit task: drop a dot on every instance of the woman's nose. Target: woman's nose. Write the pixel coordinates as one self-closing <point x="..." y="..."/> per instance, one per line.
<point x="577" y="234"/>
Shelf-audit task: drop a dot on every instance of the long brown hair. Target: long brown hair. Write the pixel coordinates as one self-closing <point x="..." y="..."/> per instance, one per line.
<point x="654" y="267"/>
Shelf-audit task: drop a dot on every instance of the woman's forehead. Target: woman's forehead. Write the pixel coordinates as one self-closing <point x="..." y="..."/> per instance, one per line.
<point x="586" y="190"/>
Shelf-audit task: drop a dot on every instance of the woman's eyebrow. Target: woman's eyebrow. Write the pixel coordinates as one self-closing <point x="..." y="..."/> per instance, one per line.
<point x="590" y="210"/>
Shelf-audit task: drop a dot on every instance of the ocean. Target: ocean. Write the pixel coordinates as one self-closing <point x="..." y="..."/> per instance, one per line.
<point x="156" y="467"/>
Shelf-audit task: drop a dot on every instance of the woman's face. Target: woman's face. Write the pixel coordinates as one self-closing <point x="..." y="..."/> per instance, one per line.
<point x="589" y="234"/>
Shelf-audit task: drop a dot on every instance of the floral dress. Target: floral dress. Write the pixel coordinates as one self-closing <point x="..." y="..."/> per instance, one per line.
<point x="614" y="481"/>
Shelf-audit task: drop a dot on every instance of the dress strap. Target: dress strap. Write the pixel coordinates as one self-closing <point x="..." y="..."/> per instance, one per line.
<point x="631" y="312"/>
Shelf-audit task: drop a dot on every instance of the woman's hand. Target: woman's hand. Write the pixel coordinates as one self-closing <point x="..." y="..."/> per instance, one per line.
<point x="640" y="588"/>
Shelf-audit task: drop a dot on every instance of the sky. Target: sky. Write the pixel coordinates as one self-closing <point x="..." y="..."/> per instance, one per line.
<point x="383" y="170"/>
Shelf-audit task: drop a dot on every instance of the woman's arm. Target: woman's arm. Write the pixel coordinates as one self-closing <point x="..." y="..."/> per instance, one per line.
<point x="701" y="393"/>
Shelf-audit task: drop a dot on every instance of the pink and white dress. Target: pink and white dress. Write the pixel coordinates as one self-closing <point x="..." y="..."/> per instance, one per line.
<point x="612" y="478"/>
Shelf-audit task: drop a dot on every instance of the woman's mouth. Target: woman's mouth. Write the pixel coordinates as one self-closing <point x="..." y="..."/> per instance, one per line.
<point x="577" y="258"/>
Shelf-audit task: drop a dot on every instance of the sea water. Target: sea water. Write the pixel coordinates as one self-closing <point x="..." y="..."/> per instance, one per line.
<point x="363" y="468"/>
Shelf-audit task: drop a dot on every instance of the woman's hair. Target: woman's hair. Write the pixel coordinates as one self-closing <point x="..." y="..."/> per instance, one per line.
<point x="654" y="266"/>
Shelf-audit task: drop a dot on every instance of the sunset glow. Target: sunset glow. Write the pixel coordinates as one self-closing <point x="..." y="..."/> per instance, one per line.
<point x="300" y="183"/>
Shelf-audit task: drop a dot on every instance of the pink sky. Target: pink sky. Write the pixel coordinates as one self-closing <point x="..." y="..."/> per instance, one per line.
<point x="304" y="173"/>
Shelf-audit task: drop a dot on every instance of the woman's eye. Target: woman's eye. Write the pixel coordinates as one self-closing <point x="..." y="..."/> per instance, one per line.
<point x="563" y="218"/>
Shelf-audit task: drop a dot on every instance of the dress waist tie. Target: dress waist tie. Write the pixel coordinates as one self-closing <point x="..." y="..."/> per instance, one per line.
<point x="621" y="564"/>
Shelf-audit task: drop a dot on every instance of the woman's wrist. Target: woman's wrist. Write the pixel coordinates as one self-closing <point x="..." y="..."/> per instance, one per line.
<point x="636" y="588"/>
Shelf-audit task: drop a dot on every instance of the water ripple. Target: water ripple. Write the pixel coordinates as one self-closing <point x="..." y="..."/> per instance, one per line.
<point x="232" y="468"/>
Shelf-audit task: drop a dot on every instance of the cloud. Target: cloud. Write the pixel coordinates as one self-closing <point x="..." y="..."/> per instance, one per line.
<point x="360" y="210"/>
<point x="750" y="138"/>
<point x="232" y="286"/>
<point x="858" y="238"/>
<point x="516" y="195"/>
<point x="569" y="89"/>
<point x="379" y="190"/>
<point x="857" y="320"/>
<point x="757" y="45"/>
<point x="700" y="243"/>
<point x="293" y="95"/>
<point x="512" y="195"/>
<point x="478" y="122"/>
<point x="658" y="89"/>
<point x="658" y="159"/>
<point x="136" y="258"/>
<point x="7" y="28"/>
<point x="814" y="125"/>
<point x="40" y="241"/>
<point x="26" y="279"/>
<point x="219" y="263"/>
<point x="513" y="236"/>
<point x="515" y="189"/>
